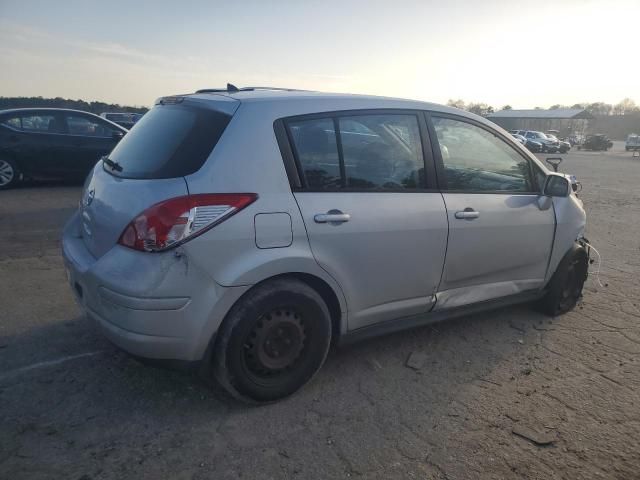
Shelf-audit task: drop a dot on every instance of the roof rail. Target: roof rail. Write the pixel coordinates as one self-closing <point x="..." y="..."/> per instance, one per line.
<point x="273" y="88"/>
<point x="233" y="89"/>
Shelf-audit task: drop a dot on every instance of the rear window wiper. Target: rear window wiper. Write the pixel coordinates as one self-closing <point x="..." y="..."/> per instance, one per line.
<point x="111" y="164"/>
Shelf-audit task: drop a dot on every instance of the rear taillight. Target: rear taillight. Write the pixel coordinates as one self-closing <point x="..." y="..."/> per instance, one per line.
<point x="171" y="223"/>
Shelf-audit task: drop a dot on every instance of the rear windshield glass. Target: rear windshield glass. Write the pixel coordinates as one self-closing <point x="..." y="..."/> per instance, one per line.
<point x="169" y="141"/>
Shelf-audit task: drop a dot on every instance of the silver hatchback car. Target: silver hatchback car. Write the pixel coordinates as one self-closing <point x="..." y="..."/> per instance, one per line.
<point x="249" y="229"/>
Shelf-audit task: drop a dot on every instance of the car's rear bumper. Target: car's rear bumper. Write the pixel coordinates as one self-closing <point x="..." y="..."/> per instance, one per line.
<point x="153" y="305"/>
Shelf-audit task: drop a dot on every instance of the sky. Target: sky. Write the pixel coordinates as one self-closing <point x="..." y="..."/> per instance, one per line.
<point x="522" y="53"/>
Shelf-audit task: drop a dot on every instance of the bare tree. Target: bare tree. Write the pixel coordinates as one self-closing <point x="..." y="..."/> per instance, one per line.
<point x="626" y="107"/>
<point x="459" y="103"/>
<point x="479" y="108"/>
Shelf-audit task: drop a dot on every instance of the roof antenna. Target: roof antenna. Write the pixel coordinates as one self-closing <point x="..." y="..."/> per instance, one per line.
<point x="232" y="88"/>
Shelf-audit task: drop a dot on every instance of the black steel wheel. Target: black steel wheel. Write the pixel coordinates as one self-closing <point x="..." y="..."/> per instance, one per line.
<point x="565" y="288"/>
<point x="274" y="344"/>
<point x="273" y="341"/>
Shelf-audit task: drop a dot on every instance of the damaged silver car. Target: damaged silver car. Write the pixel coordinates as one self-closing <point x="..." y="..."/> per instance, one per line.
<point x="246" y="230"/>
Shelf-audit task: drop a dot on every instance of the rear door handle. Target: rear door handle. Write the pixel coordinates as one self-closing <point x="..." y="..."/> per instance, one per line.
<point x="467" y="214"/>
<point x="334" y="217"/>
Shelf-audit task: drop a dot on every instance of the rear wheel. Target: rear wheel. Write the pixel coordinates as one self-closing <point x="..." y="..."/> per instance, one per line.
<point x="9" y="174"/>
<point x="272" y="342"/>
<point x="565" y="288"/>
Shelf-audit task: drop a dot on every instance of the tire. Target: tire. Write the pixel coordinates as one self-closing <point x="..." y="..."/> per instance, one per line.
<point x="9" y="174"/>
<point x="272" y="342"/>
<point x="565" y="287"/>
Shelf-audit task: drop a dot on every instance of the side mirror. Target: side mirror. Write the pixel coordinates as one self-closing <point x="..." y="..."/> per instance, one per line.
<point x="556" y="186"/>
<point x="117" y="135"/>
<point x="554" y="162"/>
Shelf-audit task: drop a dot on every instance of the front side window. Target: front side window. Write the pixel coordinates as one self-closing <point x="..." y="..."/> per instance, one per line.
<point x="88" y="127"/>
<point x="478" y="161"/>
<point x="378" y="152"/>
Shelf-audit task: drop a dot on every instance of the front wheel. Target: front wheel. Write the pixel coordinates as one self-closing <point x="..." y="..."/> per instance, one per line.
<point x="9" y="174"/>
<point x="565" y="288"/>
<point x="272" y="341"/>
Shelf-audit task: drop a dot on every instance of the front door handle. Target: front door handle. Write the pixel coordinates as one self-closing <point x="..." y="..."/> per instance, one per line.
<point x="467" y="214"/>
<point x="333" y="217"/>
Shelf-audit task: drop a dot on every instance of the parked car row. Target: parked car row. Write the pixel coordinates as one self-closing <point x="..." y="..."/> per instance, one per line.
<point x="531" y="145"/>
<point x="541" y="142"/>
<point x="52" y="143"/>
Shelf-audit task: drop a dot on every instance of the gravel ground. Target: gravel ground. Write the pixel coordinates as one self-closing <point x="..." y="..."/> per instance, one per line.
<point x="507" y="394"/>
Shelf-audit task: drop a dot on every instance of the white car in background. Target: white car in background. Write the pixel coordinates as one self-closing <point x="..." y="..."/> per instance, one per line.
<point x="633" y="142"/>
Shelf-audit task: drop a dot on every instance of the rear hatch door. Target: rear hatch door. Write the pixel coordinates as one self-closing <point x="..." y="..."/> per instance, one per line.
<point x="172" y="140"/>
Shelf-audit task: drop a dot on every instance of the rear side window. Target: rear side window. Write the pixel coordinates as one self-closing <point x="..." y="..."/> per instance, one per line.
<point x="169" y="141"/>
<point x="382" y="151"/>
<point x="359" y="152"/>
<point x="317" y="149"/>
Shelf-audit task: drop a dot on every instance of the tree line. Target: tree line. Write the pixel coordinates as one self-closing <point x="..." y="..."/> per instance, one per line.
<point x="625" y="107"/>
<point x="600" y="109"/>
<point x="59" y="102"/>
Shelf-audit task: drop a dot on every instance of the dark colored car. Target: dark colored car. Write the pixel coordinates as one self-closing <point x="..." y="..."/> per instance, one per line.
<point x="596" y="142"/>
<point x="535" y="147"/>
<point x="548" y="145"/>
<point x="126" y="120"/>
<point x="52" y="143"/>
<point x="563" y="146"/>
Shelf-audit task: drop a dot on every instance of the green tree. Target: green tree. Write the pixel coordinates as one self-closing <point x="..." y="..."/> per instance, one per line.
<point x="507" y="107"/>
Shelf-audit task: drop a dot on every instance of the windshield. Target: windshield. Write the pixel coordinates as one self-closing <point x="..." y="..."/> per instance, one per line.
<point x="169" y="141"/>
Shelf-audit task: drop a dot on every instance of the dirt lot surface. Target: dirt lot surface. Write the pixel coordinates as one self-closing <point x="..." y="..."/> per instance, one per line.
<point x="508" y="394"/>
